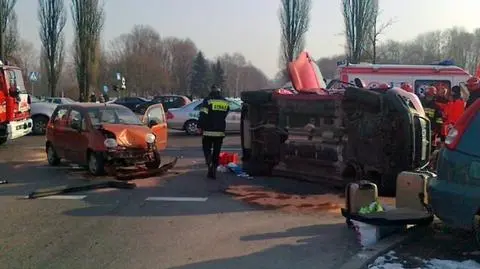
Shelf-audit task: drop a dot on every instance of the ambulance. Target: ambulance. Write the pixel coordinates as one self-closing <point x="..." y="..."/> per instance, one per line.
<point x="419" y="76"/>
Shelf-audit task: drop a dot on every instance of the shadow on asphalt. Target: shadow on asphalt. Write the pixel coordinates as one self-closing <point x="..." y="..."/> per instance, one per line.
<point x="309" y="252"/>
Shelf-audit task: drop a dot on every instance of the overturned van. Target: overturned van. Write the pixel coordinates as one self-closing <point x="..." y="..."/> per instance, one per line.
<point x="333" y="136"/>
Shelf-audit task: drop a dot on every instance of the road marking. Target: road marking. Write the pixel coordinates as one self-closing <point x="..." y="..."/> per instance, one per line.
<point x="64" y="197"/>
<point x="178" y="199"/>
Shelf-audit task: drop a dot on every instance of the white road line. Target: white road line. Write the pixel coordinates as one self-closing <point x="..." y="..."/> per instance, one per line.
<point x="64" y="197"/>
<point x="178" y="199"/>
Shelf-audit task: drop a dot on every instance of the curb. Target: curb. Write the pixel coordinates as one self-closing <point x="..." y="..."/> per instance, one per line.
<point x="365" y="257"/>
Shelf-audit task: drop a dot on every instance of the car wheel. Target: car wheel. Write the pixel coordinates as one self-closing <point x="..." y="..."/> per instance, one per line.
<point x="39" y="125"/>
<point x="3" y="140"/>
<point x="156" y="163"/>
<point x="96" y="164"/>
<point x="52" y="156"/>
<point x="191" y="127"/>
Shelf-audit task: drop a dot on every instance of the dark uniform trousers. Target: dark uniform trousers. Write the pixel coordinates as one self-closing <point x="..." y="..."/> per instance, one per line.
<point x="212" y="146"/>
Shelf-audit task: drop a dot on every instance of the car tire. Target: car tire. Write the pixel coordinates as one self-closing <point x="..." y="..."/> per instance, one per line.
<point x="191" y="127"/>
<point x="40" y="123"/>
<point x="96" y="164"/>
<point x="3" y="140"/>
<point x="257" y="97"/>
<point x="363" y="96"/>
<point x="52" y="156"/>
<point x="156" y="163"/>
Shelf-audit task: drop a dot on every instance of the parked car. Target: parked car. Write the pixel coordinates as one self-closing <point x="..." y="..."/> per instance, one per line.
<point x="186" y="118"/>
<point x="59" y="100"/>
<point x="454" y="194"/>
<point x="40" y="112"/>
<point x="100" y="135"/>
<point x="168" y="101"/>
<point x="130" y="102"/>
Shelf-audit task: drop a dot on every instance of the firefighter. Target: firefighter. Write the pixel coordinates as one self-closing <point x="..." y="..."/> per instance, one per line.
<point x="473" y="85"/>
<point x="212" y="125"/>
<point x="406" y="87"/>
<point x="433" y="111"/>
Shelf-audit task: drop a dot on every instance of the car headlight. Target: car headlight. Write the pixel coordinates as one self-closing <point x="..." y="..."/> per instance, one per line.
<point x="110" y="143"/>
<point x="150" y="138"/>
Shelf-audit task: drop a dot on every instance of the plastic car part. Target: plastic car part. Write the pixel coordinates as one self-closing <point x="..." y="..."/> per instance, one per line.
<point x="143" y="173"/>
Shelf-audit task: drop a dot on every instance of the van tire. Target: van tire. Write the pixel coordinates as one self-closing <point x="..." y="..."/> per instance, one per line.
<point x="256" y="167"/>
<point x="257" y="97"/>
<point x="363" y="96"/>
<point x="3" y="140"/>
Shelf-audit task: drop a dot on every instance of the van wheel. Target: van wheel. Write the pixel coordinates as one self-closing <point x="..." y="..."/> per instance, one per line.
<point x="52" y="156"/>
<point x="96" y="164"/>
<point x="39" y="125"/>
<point x="3" y="140"/>
<point x="191" y="127"/>
<point x="156" y="163"/>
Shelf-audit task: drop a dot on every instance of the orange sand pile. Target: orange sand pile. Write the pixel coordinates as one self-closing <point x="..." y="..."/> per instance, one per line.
<point x="330" y="203"/>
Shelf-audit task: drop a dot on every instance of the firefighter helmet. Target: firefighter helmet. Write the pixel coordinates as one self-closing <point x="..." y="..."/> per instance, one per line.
<point x="406" y="87"/>
<point x="431" y="91"/>
<point x="473" y="83"/>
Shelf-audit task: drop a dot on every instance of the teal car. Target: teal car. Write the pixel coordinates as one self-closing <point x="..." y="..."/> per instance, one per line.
<point x="454" y="194"/>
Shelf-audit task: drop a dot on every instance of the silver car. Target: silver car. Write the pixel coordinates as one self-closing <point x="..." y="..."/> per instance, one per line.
<point x="40" y="112"/>
<point x="186" y="118"/>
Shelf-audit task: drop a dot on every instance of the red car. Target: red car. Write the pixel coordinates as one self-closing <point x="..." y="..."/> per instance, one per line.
<point x="100" y="135"/>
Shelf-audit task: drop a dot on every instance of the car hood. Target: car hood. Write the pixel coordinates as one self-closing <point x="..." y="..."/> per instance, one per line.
<point x="42" y="108"/>
<point x="132" y="136"/>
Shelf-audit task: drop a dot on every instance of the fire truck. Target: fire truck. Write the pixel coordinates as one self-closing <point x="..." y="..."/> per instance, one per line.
<point x="419" y="76"/>
<point x="15" y="118"/>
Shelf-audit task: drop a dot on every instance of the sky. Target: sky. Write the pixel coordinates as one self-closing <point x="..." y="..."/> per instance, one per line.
<point x="252" y="26"/>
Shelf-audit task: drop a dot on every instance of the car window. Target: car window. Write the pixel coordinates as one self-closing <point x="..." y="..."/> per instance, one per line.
<point x="113" y="115"/>
<point x="60" y="114"/>
<point x="421" y="85"/>
<point x="234" y="106"/>
<point x="75" y="116"/>
<point x="156" y="114"/>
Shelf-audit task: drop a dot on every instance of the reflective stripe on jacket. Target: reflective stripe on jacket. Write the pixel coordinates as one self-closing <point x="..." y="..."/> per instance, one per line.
<point x="212" y="116"/>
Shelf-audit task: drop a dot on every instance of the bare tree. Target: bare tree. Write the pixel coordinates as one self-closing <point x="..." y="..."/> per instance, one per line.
<point x="53" y="17"/>
<point x="359" y="17"/>
<point x="182" y="53"/>
<point x="6" y="10"/>
<point x="294" y="21"/>
<point x="88" y="20"/>
<point x="26" y="57"/>
<point x="377" y="29"/>
<point x="12" y="37"/>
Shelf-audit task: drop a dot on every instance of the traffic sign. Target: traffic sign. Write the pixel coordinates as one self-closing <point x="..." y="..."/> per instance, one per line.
<point x="105" y="88"/>
<point x="34" y="76"/>
<point x="124" y="86"/>
<point x="119" y="76"/>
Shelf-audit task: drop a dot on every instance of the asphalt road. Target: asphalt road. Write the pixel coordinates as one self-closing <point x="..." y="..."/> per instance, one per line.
<point x="137" y="228"/>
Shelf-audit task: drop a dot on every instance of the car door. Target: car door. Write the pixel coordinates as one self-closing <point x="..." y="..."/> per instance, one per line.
<point x="156" y="114"/>
<point x="76" y="143"/>
<point x="56" y="129"/>
<point x="233" y="117"/>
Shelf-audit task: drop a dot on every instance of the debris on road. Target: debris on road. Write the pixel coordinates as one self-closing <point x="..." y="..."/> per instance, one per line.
<point x="144" y="173"/>
<point x="78" y="188"/>
<point x="390" y="260"/>
<point x="287" y="202"/>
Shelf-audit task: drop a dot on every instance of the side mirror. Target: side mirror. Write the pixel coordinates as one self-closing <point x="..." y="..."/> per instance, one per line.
<point x="76" y="125"/>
